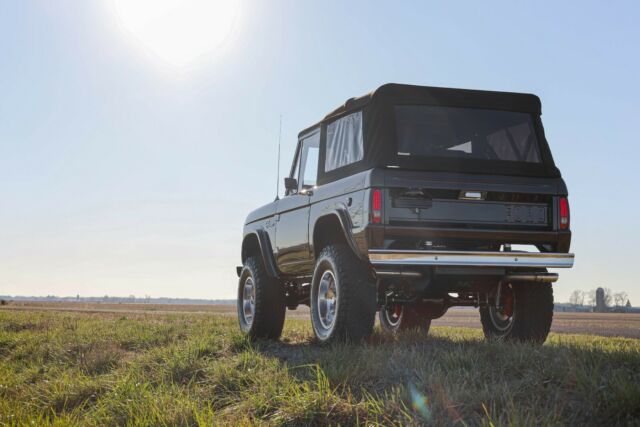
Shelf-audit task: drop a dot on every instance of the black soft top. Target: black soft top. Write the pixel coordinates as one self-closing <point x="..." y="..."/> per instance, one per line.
<point x="380" y="147"/>
<point x="394" y="93"/>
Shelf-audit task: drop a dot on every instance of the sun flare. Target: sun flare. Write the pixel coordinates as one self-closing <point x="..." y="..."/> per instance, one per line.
<point x="179" y="31"/>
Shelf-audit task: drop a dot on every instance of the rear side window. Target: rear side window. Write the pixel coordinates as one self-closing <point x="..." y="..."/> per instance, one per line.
<point x="344" y="142"/>
<point x="466" y="133"/>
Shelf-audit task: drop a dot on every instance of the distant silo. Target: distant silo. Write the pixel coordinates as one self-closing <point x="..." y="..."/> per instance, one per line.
<point x="600" y="305"/>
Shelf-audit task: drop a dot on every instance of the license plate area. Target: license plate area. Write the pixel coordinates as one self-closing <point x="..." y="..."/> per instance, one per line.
<point x="526" y="214"/>
<point x="466" y="212"/>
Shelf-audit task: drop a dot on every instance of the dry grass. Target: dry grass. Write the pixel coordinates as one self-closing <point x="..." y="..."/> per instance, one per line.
<point x="184" y="369"/>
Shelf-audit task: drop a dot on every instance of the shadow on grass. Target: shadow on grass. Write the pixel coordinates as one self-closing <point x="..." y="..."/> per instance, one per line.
<point x="455" y="374"/>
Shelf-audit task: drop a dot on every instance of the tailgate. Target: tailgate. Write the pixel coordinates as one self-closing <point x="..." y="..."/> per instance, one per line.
<point x="469" y="201"/>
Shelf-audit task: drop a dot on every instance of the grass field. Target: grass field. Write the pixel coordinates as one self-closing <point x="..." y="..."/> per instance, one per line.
<point x="604" y="324"/>
<point x="151" y="368"/>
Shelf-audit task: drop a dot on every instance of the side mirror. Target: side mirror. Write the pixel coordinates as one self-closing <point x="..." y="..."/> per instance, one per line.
<point x="290" y="184"/>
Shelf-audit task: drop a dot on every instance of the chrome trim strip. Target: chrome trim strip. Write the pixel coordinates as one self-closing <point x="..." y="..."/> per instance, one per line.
<point x="471" y="258"/>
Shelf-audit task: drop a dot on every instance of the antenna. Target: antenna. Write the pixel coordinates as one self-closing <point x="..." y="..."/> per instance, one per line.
<point x="278" y="171"/>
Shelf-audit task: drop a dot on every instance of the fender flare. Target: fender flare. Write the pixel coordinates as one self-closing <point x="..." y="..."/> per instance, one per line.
<point x="346" y="225"/>
<point x="265" y="251"/>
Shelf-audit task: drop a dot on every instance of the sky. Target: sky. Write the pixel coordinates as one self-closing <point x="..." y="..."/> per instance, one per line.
<point x="129" y="169"/>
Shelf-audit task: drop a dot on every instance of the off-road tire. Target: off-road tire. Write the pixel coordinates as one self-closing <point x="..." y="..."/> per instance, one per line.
<point x="410" y="318"/>
<point x="532" y="315"/>
<point x="269" y="312"/>
<point x="356" y="296"/>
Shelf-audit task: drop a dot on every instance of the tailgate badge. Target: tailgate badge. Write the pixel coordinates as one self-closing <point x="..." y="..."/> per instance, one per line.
<point x="472" y="195"/>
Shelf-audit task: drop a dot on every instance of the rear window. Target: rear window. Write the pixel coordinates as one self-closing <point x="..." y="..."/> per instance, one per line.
<point x="466" y="133"/>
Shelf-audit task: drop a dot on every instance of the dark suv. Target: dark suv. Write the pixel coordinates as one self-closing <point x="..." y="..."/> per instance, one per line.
<point x="408" y="201"/>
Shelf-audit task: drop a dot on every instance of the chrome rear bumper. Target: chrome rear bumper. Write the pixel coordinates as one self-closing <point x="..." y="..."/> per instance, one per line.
<point x="387" y="257"/>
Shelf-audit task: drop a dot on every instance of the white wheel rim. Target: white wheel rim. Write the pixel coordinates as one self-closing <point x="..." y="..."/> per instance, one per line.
<point x="501" y="321"/>
<point x="327" y="300"/>
<point x="392" y="315"/>
<point x="248" y="301"/>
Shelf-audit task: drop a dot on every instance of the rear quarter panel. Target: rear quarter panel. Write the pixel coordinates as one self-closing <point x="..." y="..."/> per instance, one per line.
<point x="349" y="195"/>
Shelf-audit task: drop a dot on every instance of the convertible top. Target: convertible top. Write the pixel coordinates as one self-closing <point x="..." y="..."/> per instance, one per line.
<point x="393" y="93"/>
<point x="380" y="136"/>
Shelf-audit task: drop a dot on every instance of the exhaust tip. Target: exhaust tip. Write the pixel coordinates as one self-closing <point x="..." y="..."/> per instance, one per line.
<point x="532" y="277"/>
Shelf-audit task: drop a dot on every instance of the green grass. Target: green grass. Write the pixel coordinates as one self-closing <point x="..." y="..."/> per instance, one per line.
<point x="151" y="369"/>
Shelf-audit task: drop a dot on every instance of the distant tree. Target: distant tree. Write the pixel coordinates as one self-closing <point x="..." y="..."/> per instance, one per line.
<point x="591" y="297"/>
<point x="608" y="297"/>
<point x="628" y="304"/>
<point x="625" y="297"/>
<point x="619" y="298"/>
<point x="577" y="298"/>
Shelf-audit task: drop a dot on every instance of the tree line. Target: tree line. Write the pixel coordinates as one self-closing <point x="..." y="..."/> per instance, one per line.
<point x="618" y="299"/>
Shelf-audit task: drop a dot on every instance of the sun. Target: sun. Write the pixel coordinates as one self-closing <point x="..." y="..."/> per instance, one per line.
<point x="179" y="31"/>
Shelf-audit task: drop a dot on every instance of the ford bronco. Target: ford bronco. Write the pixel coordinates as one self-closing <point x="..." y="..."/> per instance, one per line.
<point x="407" y="201"/>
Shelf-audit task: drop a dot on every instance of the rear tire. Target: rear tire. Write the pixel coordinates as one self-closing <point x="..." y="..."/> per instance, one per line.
<point x="261" y="302"/>
<point x="343" y="297"/>
<point x="526" y="318"/>
<point x="396" y="318"/>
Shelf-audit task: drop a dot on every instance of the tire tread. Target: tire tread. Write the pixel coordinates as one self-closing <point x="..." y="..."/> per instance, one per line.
<point x="268" y="319"/>
<point x="358" y="299"/>
<point x="534" y="314"/>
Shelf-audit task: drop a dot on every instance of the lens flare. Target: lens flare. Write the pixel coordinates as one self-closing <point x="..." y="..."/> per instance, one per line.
<point x="419" y="402"/>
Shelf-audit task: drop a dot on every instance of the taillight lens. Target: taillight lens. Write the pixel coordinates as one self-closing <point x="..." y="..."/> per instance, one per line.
<point x="376" y="206"/>
<point x="564" y="213"/>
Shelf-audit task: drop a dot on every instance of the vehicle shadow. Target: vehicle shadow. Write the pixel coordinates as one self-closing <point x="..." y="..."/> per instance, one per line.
<point x="571" y="379"/>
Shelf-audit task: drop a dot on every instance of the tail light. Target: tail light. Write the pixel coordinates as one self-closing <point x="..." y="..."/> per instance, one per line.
<point x="564" y="213"/>
<point x="376" y="206"/>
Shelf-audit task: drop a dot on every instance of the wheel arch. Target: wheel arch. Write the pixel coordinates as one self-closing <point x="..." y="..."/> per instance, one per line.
<point x="257" y="242"/>
<point x="333" y="227"/>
